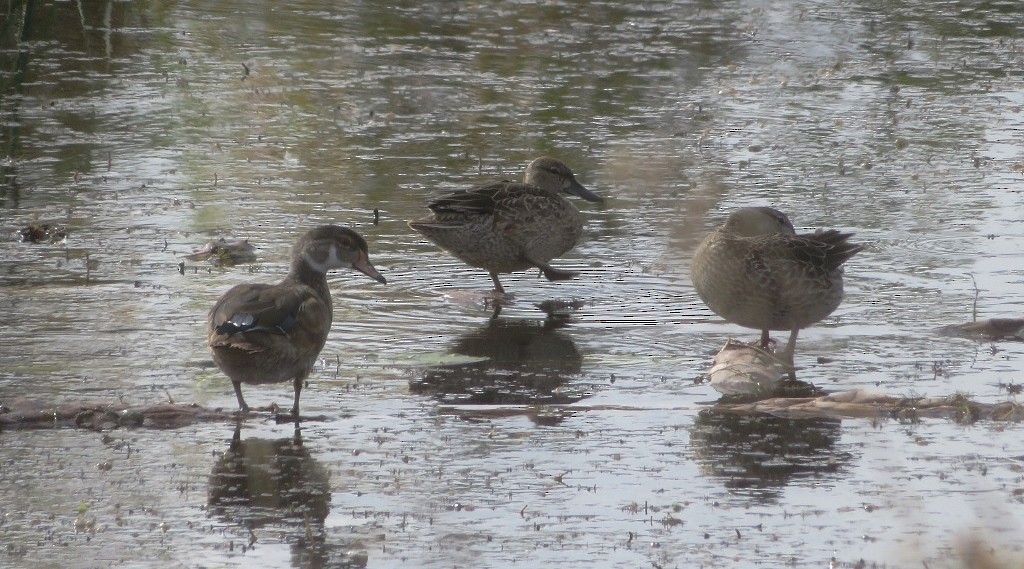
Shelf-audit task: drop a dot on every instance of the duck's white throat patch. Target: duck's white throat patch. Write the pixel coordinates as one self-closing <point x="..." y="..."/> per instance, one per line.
<point x="323" y="263"/>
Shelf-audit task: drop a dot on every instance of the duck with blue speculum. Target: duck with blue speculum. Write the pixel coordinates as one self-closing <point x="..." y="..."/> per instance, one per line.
<point x="271" y="333"/>
<point x="757" y="272"/>
<point x="504" y="227"/>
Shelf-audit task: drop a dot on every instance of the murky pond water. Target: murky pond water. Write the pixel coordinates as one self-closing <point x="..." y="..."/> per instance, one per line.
<point x="448" y="438"/>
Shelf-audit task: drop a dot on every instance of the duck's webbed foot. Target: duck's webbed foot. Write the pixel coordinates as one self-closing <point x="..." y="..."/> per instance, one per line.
<point x="553" y="274"/>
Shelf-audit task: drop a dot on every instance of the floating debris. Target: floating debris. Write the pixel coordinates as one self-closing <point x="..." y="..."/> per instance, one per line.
<point x="43" y="233"/>
<point x="866" y="404"/>
<point x="559" y="307"/>
<point x="751" y="381"/>
<point x="33" y="414"/>
<point x="222" y="253"/>
<point x="989" y="329"/>
<point x="742" y="369"/>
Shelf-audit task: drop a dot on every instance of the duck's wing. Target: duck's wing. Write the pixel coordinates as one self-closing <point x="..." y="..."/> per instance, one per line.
<point x="826" y="250"/>
<point x="815" y="253"/>
<point x="252" y="315"/>
<point x="496" y="198"/>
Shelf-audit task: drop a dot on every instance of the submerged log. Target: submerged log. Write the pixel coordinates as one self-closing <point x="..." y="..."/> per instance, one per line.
<point x="989" y="329"/>
<point x="31" y="414"/>
<point x="750" y="380"/>
<point x="43" y="233"/>
<point x="865" y="404"/>
<point x="223" y="253"/>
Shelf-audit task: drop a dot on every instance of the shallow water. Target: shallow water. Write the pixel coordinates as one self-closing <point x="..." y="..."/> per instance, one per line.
<point x="450" y="439"/>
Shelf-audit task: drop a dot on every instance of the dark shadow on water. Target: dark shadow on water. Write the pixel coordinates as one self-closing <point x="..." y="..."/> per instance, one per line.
<point x="277" y="483"/>
<point x="523" y="362"/>
<point x="759" y="455"/>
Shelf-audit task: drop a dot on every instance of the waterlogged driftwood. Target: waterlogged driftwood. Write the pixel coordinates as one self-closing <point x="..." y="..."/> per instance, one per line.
<point x="989" y="329"/>
<point x="43" y="233"/>
<point x="742" y="369"/>
<point x="751" y="380"/>
<point x="222" y="253"/>
<point x="865" y="404"/>
<point x="31" y="414"/>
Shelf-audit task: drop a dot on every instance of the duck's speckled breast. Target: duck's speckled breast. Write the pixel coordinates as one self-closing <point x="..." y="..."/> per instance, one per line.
<point x="749" y="286"/>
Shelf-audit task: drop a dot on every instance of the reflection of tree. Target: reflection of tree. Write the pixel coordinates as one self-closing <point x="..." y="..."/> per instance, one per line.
<point x="526" y="362"/>
<point x="262" y="482"/>
<point x="57" y="52"/>
<point x="759" y="453"/>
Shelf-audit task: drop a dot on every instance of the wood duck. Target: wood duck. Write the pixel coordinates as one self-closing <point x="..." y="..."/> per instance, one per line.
<point x="263" y="333"/>
<point x="756" y="271"/>
<point x="511" y="226"/>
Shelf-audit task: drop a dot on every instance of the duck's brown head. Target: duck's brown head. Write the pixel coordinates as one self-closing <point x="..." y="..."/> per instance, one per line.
<point x="756" y="221"/>
<point x="554" y="176"/>
<point x="334" y="247"/>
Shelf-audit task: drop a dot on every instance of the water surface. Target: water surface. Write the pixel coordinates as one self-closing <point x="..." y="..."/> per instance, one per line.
<point x="453" y="439"/>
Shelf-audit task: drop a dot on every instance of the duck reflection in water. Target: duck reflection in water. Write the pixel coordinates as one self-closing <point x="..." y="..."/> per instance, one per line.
<point x="521" y="362"/>
<point x="277" y="482"/>
<point x="757" y="455"/>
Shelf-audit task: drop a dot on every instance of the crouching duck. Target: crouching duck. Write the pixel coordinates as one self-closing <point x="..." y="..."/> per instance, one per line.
<point x="263" y="333"/>
<point x="756" y="271"/>
<point x="505" y="227"/>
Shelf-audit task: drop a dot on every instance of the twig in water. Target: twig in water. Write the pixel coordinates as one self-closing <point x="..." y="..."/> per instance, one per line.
<point x="974" y="309"/>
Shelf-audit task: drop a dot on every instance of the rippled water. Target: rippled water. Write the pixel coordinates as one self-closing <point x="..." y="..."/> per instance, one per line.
<point x="449" y="438"/>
